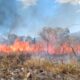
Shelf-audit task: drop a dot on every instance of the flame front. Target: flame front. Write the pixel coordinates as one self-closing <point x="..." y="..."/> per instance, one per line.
<point x="21" y="46"/>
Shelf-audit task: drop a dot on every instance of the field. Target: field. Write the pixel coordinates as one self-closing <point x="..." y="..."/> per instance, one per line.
<point x="22" y="67"/>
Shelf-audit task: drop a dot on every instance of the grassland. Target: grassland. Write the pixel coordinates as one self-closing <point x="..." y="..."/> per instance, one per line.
<point x="20" y="67"/>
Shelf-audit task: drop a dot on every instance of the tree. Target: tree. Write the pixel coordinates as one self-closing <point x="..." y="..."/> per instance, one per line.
<point x="54" y="36"/>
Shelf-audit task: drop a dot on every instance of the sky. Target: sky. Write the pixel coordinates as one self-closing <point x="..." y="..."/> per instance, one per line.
<point x="28" y="17"/>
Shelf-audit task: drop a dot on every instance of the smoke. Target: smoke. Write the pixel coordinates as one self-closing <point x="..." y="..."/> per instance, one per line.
<point x="25" y="8"/>
<point x="17" y="20"/>
<point x="8" y="10"/>
<point x="75" y="2"/>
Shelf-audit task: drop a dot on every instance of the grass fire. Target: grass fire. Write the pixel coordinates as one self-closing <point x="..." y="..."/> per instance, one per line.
<point x="21" y="46"/>
<point x="52" y="41"/>
<point x="39" y="39"/>
<point x="54" y="55"/>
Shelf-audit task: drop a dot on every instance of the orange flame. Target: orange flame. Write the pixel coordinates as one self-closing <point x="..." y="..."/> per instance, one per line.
<point x="21" y="46"/>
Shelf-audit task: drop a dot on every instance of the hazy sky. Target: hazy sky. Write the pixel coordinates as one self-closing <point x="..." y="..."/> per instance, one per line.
<point x="28" y="17"/>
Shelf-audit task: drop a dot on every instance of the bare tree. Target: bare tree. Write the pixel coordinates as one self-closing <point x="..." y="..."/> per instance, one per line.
<point x="54" y="36"/>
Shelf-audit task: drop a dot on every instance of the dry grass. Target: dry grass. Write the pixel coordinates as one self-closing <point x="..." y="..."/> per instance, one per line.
<point x="16" y="67"/>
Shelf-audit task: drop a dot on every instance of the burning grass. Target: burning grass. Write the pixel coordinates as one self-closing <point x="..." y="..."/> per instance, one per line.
<point x="22" y="67"/>
<point x="38" y="47"/>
